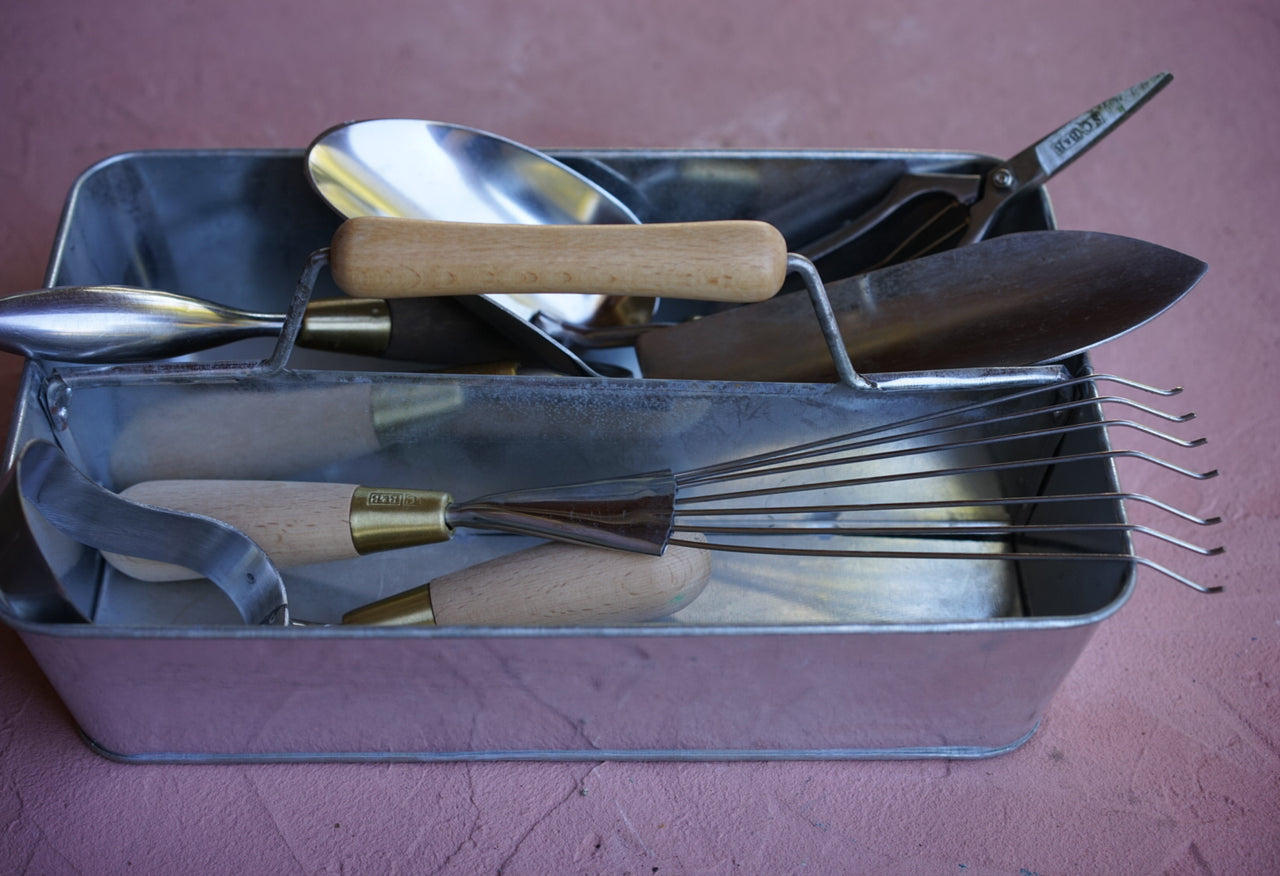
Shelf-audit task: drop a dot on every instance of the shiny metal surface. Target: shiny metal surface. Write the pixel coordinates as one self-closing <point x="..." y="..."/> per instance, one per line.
<point x="382" y="519"/>
<point x="121" y="324"/>
<point x="434" y="170"/>
<point x="966" y="206"/>
<point x="1020" y="299"/>
<point x="628" y="513"/>
<point x="47" y="483"/>
<point x="955" y="658"/>
<point x="461" y="440"/>
<point x="843" y="495"/>
<point x="118" y="324"/>
<point x="359" y="325"/>
<point x="951" y="662"/>
<point x="388" y="694"/>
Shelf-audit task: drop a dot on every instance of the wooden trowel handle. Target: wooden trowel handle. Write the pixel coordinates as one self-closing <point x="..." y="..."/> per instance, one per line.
<point x="552" y="584"/>
<point x="732" y="260"/>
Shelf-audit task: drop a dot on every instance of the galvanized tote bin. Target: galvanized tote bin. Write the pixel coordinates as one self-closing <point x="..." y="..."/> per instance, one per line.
<point x="779" y="658"/>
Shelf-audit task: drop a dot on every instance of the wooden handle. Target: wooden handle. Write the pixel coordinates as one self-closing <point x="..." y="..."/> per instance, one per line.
<point x="552" y="584"/>
<point x="233" y="431"/>
<point x="384" y="257"/>
<point x="204" y="434"/>
<point x="294" y="522"/>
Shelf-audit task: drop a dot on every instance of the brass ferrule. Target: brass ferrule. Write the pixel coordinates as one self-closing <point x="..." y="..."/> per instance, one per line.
<point x="385" y="519"/>
<point x="410" y="608"/>
<point x="347" y="325"/>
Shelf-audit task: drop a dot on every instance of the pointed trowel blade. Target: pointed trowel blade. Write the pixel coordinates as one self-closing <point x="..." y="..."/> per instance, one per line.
<point x="1019" y="299"/>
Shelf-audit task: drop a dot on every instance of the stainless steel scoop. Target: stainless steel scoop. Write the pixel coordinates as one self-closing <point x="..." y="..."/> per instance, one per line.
<point x="417" y="169"/>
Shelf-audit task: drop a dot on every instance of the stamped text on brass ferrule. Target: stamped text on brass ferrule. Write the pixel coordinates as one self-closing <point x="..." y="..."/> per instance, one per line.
<point x="393" y="499"/>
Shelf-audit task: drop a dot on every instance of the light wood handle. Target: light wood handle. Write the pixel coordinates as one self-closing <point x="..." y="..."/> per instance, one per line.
<point x="204" y="435"/>
<point x="552" y="584"/>
<point x="295" y="522"/>
<point x="385" y="257"/>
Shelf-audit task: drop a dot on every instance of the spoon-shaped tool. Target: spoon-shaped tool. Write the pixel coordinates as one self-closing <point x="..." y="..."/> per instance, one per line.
<point x="418" y="169"/>
<point x="112" y="324"/>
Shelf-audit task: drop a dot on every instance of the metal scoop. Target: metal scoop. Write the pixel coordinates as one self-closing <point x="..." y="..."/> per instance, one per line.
<point x="417" y="169"/>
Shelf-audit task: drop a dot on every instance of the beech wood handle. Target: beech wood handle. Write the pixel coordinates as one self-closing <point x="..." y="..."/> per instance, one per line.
<point x="550" y="585"/>
<point x="387" y="257"/>
<point x="295" y="522"/>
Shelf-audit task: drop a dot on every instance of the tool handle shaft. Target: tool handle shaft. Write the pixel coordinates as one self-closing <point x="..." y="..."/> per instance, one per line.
<point x="302" y="522"/>
<point x="552" y="584"/>
<point x="295" y="522"/>
<point x="385" y="257"/>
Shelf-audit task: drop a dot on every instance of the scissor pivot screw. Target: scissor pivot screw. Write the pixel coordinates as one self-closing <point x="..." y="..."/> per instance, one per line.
<point x="1003" y="178"/>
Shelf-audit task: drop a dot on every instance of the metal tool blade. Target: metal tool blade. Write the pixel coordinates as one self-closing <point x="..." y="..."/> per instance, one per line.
<point x="1035" y="165"/>
<point x="1077" y="136"/>
<point x="1021" y="299"/>
<point x="45" y="482"/>
<point x="120" y="324"/>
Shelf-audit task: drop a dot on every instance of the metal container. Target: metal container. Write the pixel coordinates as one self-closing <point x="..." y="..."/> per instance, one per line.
<point x="777" y="659"/>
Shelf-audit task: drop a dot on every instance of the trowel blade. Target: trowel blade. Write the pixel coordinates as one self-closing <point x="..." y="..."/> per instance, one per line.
<point x="1019" y="299"/>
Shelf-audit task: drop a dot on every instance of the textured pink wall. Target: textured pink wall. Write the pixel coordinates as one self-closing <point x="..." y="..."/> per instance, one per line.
<point x="1162" y="752"/>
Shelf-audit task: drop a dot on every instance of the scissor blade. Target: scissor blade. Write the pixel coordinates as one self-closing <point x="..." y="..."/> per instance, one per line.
<point x="1033" y="166"/>
<point x="1077" y="136"/>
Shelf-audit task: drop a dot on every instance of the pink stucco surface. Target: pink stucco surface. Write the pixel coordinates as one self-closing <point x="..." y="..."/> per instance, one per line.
<point x="1161" y="752"/>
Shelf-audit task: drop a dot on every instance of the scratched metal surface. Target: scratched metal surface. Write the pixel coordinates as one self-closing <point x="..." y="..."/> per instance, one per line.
<point x="479" y="435"/>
